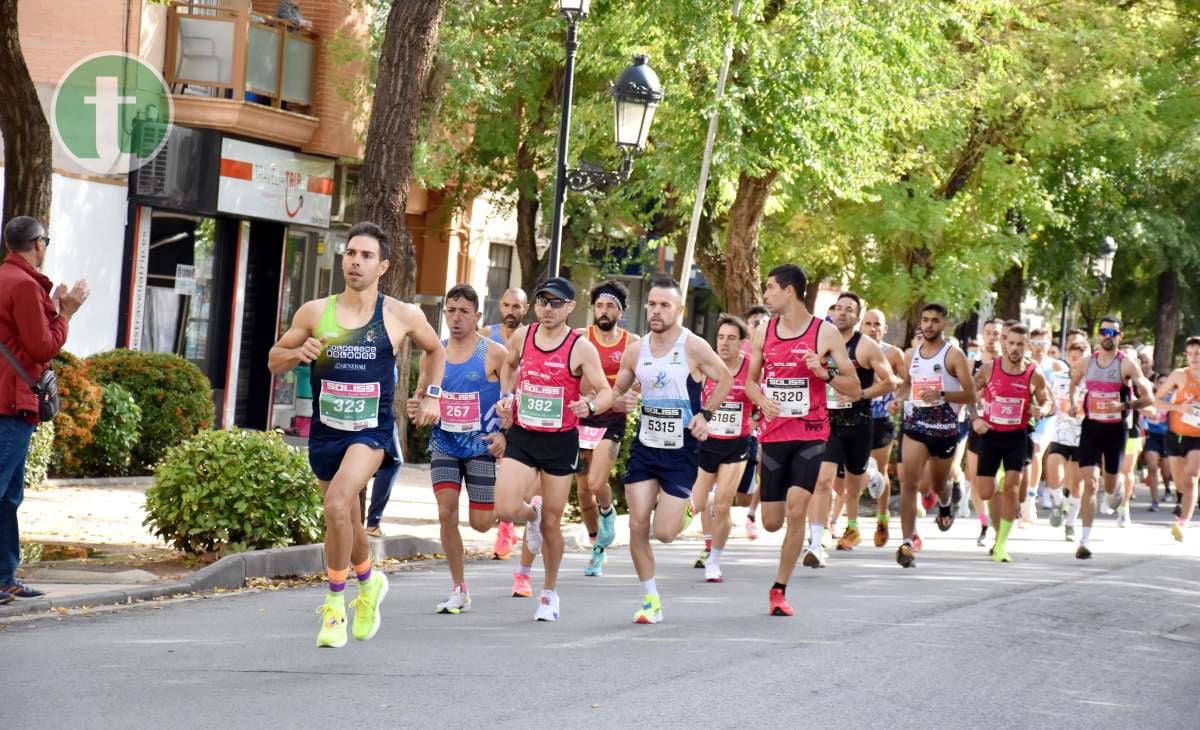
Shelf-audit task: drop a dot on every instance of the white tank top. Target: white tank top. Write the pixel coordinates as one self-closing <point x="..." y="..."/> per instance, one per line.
<point x="669" y="395"/>
<point x="931" y="373"/>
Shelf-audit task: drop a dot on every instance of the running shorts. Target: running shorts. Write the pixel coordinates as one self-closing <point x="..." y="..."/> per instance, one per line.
<point x="749" y="485"/>
<point x="325" y="454"/>
<point x="553" y="452"/>
<point x="787" y="464"/>
<point x="673" y="469"/>
<point x="883" y="432"/>
<point x="1181" y="446"/>
<point x="715" y="452"/>
<point x="1102" y="442"/>
<point x="849" y="447"/>
<point x="479" y="473"/>
<point x="940" y="447"/>
<point x="1067" y="452"/>
<point x="1007" y="448"/>
<point x="1156" y="443"/>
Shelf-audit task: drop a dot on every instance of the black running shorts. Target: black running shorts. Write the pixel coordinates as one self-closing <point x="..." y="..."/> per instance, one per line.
<point x="787" y="464"/>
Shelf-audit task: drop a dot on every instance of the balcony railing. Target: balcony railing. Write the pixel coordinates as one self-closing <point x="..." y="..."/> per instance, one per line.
<point x="238" y="54"/>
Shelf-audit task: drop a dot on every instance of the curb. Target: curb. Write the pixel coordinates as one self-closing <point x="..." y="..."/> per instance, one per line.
<point x="230" y="572"/>
<point x="140" y="484"/>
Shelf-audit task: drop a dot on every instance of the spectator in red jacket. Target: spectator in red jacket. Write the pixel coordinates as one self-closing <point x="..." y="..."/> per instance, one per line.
<point x="33" y="327"/>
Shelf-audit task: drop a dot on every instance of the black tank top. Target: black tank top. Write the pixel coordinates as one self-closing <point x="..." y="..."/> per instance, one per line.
<point x="860" y="411"/>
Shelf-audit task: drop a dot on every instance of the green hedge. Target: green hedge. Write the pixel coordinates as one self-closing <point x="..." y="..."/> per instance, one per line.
<point x="116" y="434"/>
<point x="175" y="398"/>
<point x="37" y="461"/>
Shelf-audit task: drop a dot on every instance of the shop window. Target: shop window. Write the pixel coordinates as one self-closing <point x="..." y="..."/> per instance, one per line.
<point x="179" y="292"/>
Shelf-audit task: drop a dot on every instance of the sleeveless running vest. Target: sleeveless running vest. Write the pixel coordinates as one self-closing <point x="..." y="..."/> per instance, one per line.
<point x="545" y="385"/>
<point x="1104" y="384"/>
<point x="1007" y="398"/>
<point x="732" y="420"/>
<point x="879" y="404"/>
<point x="787" y="379"/>
<point x="670" y="396"/>
<point x="354" y="378"/>
<point x="468" y="406"/>
<point x="495" y="335"/>
<point x="844" y="413"/>
<point x="940" y="419"/>
<point x="1187" y="424"/>
<point x="610" y="361"/>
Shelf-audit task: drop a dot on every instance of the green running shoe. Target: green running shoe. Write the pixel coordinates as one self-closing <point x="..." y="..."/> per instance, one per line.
<point x="702" y="560"/>
<point x="333" y="622"/>
<point x="687" y="517"/>
<point x="651" y="611"/>
<point x="1000" y="554"/>
<point x="366" y="606"/>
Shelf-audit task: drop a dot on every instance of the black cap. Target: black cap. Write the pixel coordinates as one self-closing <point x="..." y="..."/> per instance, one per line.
<point x="559" y="287"/>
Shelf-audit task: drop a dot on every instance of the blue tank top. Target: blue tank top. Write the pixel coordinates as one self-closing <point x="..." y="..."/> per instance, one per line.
<point x="494" y="334"/>
<point x="353" y="380"/>
<point x="467" y="395"/>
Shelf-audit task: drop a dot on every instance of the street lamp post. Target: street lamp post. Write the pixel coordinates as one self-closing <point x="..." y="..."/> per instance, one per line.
<point x="1100" y="267"/>
<point x="636" y="94"/>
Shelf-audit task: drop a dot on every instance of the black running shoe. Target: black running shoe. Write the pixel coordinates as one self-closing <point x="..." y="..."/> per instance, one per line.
<point x="1083" y="553"/>
<point x="1178" y="511"/>
<point x="904" y="556"/>
<point x="945" y="518"/>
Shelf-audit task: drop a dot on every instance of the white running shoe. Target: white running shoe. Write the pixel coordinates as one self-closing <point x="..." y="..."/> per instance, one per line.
<point x="533" y="528"/>
<point x="813" y="558"/>
<point x="1123" y="519"/>
<point x="712" y="573"/>
<point x="875" y="480"/>
<point x="1111" y="501"/>
<point x="547" y="609"/>
<point x="458" y="602"/>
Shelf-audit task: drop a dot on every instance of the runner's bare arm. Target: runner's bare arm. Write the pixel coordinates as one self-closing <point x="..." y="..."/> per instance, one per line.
<point x="297" y="345"/>
<point x="1041" y="393"/>
<point x="593" y="381"/>
<point x="980" y="380"/>
<point x="885" y="379"/>
<point x="412" y="323"/>
<point x="1077" y="373"/>
<point x="768" y="406"/>
<point x="624" y="399"/>
<point x="829" y="342"/>
<point x="712" y="367"/>
<point x="960" y="368"/>
<point x="1141" y="386"/>
<point x="1174" y="382"/>
<point x="905" y="389"/>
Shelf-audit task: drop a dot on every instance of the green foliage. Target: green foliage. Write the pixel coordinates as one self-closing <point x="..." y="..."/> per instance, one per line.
<point x="41" y="448"/>
<point x="75" y="422"/>
<point x="31" y="552"/>
<point x="231" y="491"/>
<point x="175" y="398"/>
<point x="115" y="436"/>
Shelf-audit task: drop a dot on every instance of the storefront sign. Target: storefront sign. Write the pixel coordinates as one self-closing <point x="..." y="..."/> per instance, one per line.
<point x="268" y="182"/>
<point x="185" y="280"/>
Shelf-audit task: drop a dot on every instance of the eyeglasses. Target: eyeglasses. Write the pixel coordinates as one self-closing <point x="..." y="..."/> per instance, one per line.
<point x="553" y="303"/>
<point x="1039" y="343"/>
<point x="1109" y="332"/>
<point x="44" y="239"/>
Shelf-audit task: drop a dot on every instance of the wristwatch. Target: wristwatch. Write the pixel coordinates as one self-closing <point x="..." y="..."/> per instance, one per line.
<point x="433" y="391"/>
<point x="591" y="408"/>
<point x="708" y="415"/>
<point x="828" y="376"/>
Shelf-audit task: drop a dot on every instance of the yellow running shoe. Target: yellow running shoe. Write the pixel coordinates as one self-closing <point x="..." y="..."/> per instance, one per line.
<point x="1177" y="532"/>
<point x="333" y="622"/>
<point x="366" y="606"/>
<point x="849" y="539"/>
<point x="651" y="611"/>
<point x="1000" y="555"/>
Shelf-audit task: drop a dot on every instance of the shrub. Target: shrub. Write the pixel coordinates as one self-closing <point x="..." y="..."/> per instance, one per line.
<point x="231" y="491"/>
<point x="37" y="461"/>
<point x="616" y="477"/>
<point x="174" y="396"/>
<point x="75" y="422"/>
<point x="115" y="435"/>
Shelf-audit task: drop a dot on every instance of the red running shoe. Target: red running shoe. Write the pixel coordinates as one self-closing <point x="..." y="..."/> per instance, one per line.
<point x="779" y="604"/>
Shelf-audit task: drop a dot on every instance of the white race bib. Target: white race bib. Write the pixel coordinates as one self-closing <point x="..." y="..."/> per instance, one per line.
<point x="1191" y="416"/>
<point x="791" y="394"/>
<point x="727" y="420"/>
<point x="662" y="428"/>
<point x="922" y="383"/>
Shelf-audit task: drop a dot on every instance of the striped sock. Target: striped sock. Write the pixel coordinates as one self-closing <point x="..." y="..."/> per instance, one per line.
<point x="362" y="571"/>
<point x="337" y="579"/>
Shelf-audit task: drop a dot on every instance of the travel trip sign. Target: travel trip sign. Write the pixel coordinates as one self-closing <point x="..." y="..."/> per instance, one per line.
<point x="275" y="184"/>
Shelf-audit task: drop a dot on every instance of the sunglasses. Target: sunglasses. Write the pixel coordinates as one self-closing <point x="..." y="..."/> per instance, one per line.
<point x="553" y="303"/>
<point x="44" y="239"/>
<point x="1109" y="332"/>
<point x="1039" y="343"/>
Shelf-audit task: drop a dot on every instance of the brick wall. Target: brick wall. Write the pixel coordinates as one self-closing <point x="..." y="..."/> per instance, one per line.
<point x="54" y="35"/>
<point x="337" y="136"/>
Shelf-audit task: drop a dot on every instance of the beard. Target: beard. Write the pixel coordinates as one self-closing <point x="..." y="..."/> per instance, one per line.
<point x="606" y="324"/>
<point x="510" y="321"/>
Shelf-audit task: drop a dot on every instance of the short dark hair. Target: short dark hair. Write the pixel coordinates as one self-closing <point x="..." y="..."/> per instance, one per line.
<point x="1193" y="340"/>
<point x="1019" y="328"/>
<point x="936" y="307"/>
<point x="786" y="275"/>
<point x="1077" y="346"/>
<point x="464" y="291"/>
<point x="734" y="321"/>
<point x="1038" y="331"/>
<point x="613" y="288"/>
<point x="1110" y="318"/>
<point x="367" y="228"/>
<point x="853" y="297"/>
<point x="1011" y="322"/>
<point x="756" y="310"/>
<point x="665" y="282"/>
<point x="1076" y="331"/>
<point x="21" y="232"/>
<point x="992" y="320"/>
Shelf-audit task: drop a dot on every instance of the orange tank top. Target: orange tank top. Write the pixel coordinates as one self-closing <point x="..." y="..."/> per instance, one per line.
<point x="1187" y="423"/>
<point x="610" y="357"/>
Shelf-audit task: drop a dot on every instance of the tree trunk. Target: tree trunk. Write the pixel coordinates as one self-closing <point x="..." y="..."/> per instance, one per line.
<point x="528" y="204"/>
<point x="743" y="279"/>
<point x="1166" y="322"/>
<point x="1010" y="290"/>
<point x="405" y="62"/>
<point x="28" y="160"/>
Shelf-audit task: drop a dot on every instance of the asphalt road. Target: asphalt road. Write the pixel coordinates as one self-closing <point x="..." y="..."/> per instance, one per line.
<point x="1048" y="641"/>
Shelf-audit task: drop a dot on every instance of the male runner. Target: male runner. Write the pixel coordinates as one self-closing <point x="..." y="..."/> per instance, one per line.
<point x="989" y="351"/>
<point x="850" y="438"/>
<point x="1062" y="466"/>
<point x="1127" y="479"/>
<point x="883" y="426"/>
<point x="351" y="340"/>
<point x="514" y="305"/>
<point x="788" y="359"/>
<point x="937" y="379"/>
<point x="756" y="318"/>
<point x="1102" y="436"/>
<point x="1155" y="453"/>
<point x="723" y="455"/>
<point x="466" y="441"/>
<point x="1039" y="343"/>
<point x="1180" y="396"/>
<point x="670" y="364"/>
<point x="1008" y="386"/>
<point x="600" y="437"/>
<point x="558" y="381"/>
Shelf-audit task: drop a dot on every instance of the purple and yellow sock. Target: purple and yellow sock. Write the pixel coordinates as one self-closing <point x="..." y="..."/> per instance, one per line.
<point x="362" y="571"/>
<point x="337" y="579"/>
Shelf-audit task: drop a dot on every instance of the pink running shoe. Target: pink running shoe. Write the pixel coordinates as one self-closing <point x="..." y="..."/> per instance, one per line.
<point x="521" y="587"/>
<point x="506" y="539"/>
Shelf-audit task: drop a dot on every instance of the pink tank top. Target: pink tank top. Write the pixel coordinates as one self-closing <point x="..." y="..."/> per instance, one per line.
<point x="787" y="379"/>
<point x="1103" y="400"/>
<point x="1008" y="398"/>
<point x="545" y="385"/>
<point x="732" y="420"/>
